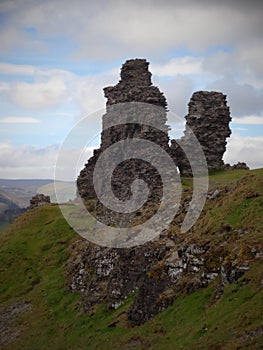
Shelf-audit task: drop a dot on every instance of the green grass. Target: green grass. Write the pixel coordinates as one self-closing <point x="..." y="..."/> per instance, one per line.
<point x="35" y="249"/>
<point x="224" y="177"/>
<point x="240" y="205"/>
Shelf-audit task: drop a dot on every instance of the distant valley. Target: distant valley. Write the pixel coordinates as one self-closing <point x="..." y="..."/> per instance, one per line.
<point x="15" y="195"/>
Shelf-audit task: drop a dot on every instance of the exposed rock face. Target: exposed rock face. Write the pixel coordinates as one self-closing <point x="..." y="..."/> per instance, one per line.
<point x="38" y="200"/>
<point x="110" y="275"/>
<point x="208" y="118"/>
<point x="157" y="272"/>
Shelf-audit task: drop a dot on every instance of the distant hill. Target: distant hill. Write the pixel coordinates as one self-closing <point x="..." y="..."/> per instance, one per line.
<point x="20" y="191"/>
<point x="29" y="184"/>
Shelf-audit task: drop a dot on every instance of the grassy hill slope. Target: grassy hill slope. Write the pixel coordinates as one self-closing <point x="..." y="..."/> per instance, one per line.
<point x="37" y="312"/>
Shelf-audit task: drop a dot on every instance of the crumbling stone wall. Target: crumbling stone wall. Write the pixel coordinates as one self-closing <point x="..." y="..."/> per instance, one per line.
<point x="208" y="118"/>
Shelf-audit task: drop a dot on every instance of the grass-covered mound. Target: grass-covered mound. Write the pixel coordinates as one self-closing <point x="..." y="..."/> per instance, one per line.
<point x="37" y="312"/>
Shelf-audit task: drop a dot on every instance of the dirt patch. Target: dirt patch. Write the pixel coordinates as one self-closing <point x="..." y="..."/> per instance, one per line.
<point x="133" y="343"/>
<point x="9" y="331"/>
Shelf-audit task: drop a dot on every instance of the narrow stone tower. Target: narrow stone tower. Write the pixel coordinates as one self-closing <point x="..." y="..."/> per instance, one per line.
<point x="135" y="86"/>
<point x="208" y="118"/>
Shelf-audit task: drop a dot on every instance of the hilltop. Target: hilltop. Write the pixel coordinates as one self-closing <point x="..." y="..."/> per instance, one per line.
<point x="41" y="256"/>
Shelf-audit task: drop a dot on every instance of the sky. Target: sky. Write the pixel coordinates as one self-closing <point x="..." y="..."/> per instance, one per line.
<point x="56" y="56"/>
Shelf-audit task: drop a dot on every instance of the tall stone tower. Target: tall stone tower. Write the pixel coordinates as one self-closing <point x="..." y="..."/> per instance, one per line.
<point x="134" y="88"/>
<point x="208" y="118"/>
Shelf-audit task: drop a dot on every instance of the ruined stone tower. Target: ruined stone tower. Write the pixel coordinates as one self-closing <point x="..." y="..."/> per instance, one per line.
<point x="136" y="87"/>
<point x="208" y="118"/>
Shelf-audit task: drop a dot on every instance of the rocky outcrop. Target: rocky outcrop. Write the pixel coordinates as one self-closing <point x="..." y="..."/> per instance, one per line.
<point x="155" y="274"/>
<point x="208" y="118"/>
<point x="110" y="275"/>
<point x="39" y="200"/>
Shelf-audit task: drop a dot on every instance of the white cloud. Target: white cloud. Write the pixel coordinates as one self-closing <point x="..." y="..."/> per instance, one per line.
<point x="245" y="149"/>
<point x="242" y="63"/>
<point x="178" y="91"/>
<point x="103" y="30"/>
<point x="87" y="91"/>
<point x="18" y="120"/>
<point x="243" y="99"/>
<point x="4" y="86"/>
<point x="16" y="69"/>
<point x="49" y="88"/>
<point x="182" y="65"/>
<point x="27" y="161"/>
<point x="38" y="95"/>
<point x="252" y="120"/>
<point x="40" y="162"/>
<point x="240" y="129"/>
<point x="55" y="87"/>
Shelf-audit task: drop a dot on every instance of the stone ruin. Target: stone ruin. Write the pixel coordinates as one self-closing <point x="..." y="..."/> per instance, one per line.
<point x="208" y="118"/>
<point x="156" y="269"/>
<point x="39" y="200"/>
<point x="135" y="86"/>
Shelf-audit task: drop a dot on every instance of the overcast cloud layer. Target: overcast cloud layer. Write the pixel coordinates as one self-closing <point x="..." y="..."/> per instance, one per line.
<point x="56" y="56"/>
